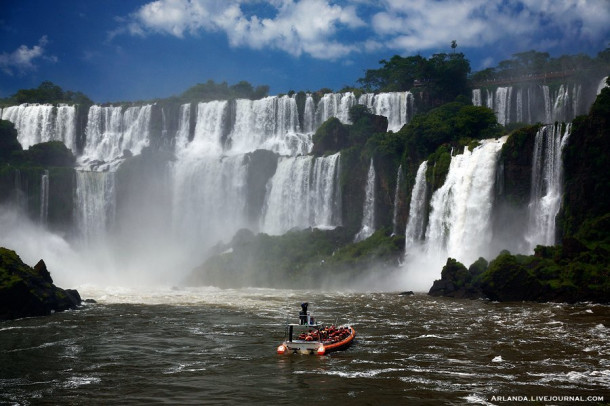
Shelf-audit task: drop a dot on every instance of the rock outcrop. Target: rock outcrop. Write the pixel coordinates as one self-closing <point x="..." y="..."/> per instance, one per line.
<point x="27" y="291"/>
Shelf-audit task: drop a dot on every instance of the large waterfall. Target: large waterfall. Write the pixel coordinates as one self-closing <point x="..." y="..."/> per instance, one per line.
<point x="239" y="164"/>
<point x="545" y="197"/>
<point x="460" y="217"/>
<point x="214" y="185"/>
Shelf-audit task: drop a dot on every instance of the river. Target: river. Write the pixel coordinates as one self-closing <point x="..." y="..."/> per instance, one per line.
<point x="215" y="346"/>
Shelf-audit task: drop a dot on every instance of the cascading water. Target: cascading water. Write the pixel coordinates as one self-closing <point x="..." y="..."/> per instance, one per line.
<point x="209" y="198"/>
<point x="95" y="204"/>
<point x="537" y="103"/>
<point x="271" y="123"/>
<point x="325" y="193"/>
<point x="210" y="178"/>
<point x="110" y="132"/>
<point x="396" y="106"/>
<point x="601" y="85"/>
<point x="459" y="224"/>
<point x="36" y="123"/>
<point x="476" y="97"/>
<point x="209" y="128"/>
<point x="415" y="230"/>
<point x="503" y="103"/>
<point x="44" y="197"/>
<point x="184" y="128"/>
<point x="396" y="200"/>
<point x="545" y="198"/>
<point x="368" y="212"/>
<point x="302" y="193"/>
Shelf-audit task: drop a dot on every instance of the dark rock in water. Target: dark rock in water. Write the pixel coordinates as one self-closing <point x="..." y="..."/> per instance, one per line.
<point x="406" y="293"/>
<point x="89" y="301"/>
<point x="27" y="291"/>
<point x="42" y="270"/>
<point x="457" y="281"/>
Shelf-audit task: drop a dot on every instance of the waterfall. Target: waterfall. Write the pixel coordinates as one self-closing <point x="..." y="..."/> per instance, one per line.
<point x="271" y="123"/>
<point x="209" y="198"/>
<point x="335" y="105"/>
<point x="36" y="123"/>
<point x="460" y="216"/>
<point x="303" y="192"/>
<point x="415" y="230"/>
<point x="184" y="128"/>
<point x="545" y="198"/>
<point x="396" y="200"/>
<point x="530" y="103"/>
<point x="601" y="85"/>
<point x="324" y="194"/>
<point x="309" y="124"/>
<point x="397" y="107"/>
<point x="519" y="108"/>
<point x="44" y="197"/>
<point x="502" y="103"/>
<point x="95" y="204"/>
<point x="368" y="213"/>
<point x="476" y="97"/>
<point x="110" y="132"/>
<point x="209" y="127"/>
<point x="65" y="126"/>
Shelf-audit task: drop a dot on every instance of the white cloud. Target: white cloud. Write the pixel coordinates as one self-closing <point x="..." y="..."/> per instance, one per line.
<point x="298" y="26"/>
<point x="331" y="29"/>
<point x="22" y="59"/>
<point x="420" y="24"/>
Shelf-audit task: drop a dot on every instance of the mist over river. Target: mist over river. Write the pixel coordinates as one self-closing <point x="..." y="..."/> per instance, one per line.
<point x="215" y="346"/>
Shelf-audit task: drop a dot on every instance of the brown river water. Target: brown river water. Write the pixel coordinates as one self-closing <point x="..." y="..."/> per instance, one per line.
<point x="213" y="346"/>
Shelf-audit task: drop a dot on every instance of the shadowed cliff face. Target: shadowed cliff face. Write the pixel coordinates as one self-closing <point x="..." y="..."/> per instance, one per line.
<point x="586" y="175"/>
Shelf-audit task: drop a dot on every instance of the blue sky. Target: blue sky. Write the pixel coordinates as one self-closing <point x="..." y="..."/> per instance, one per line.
<point x="118" y="50"/>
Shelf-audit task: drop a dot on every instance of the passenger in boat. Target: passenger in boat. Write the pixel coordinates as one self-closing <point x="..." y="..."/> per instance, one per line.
<point x="303" y="313"/>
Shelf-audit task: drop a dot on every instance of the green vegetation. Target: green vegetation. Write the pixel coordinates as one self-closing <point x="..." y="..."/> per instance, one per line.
<point x="441" y="78"/>
<point x="27" y="291"/>
<point x="304" y="258"/>
<point x="28" y="167"/>
<point x="46" y="154"/>
<point x="222" y="91"/>
<point x="586" y="175"/>
<point x="8" y="141"/>
<point x="47" y="92"/>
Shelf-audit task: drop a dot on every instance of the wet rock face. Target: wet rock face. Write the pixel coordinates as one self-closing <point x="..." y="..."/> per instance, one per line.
<point x="28" y="292"/>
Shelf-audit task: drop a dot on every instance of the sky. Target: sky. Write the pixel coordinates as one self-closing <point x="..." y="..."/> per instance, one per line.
<point x="119" y="50"/>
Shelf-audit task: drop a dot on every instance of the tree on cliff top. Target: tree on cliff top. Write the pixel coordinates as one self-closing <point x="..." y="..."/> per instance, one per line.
<point x="49" y="92"/>
<point x="443" y="77"/>
<point x="222" y="91"/>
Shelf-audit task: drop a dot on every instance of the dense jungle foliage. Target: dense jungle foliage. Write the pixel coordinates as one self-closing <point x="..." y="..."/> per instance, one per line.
<point x="440" y="79"/>
<point x="576" y="269"/>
